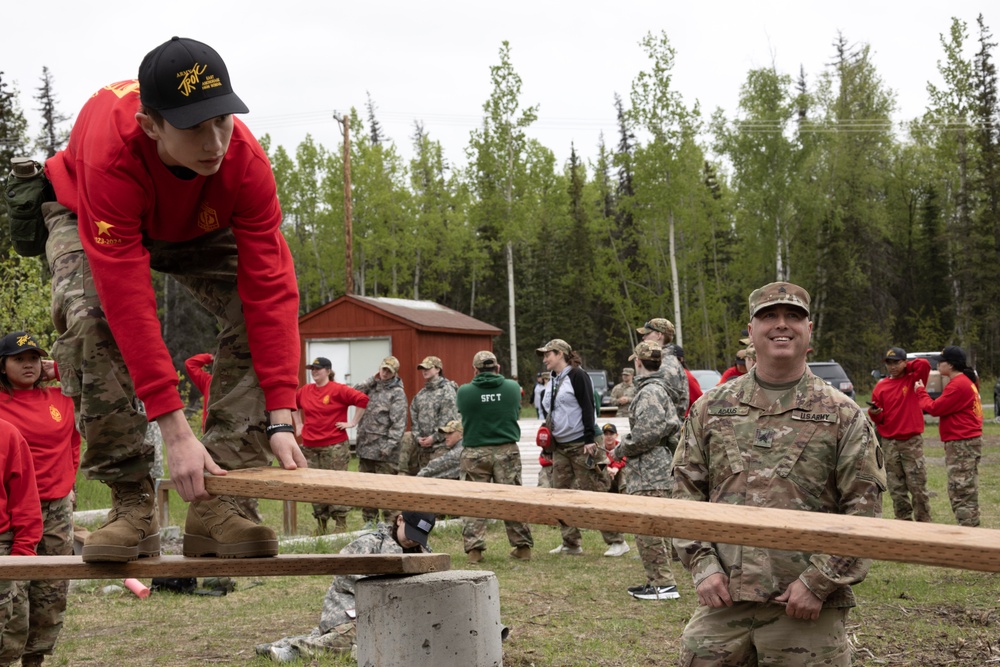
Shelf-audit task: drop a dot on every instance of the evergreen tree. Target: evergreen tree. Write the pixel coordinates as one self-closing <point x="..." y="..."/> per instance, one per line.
<point x="52" y="136"/>
<point x="13" y="143"/>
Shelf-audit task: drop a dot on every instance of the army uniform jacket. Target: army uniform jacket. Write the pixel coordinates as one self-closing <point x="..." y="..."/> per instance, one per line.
<point x="432" y="408"/>
<point x="380" y="431"/>
<point x="654" y="430"/>
<point x="340" y="596"/>
<point x="812" y="450"/>
<point x="622" y="389"/>
<point x="676" y="383"/>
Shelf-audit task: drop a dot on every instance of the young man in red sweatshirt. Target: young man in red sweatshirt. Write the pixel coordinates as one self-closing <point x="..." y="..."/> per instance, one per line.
<point x="160" y="175"/>
<point x="895" y="410"/>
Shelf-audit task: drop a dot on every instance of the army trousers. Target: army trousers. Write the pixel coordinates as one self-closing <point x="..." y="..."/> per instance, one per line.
<point x="93" y="373"/>
<point x="906" y="475"/>
<point x="573" y="469"/>
<point x="13" y="603"/>
<point x="330" y="457"/>
<point x="40" y="606"/>
<point x="499" y="464"/>
<point x="961" y="459"/>
<point x="751" y="633"/>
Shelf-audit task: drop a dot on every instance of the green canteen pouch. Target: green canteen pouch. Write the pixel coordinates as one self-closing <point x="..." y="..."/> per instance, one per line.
<point x="24" y="193"/>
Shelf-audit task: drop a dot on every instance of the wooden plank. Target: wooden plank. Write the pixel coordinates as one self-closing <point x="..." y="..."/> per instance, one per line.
<point x="30" y="568"/>
<point x="883" y="539"/>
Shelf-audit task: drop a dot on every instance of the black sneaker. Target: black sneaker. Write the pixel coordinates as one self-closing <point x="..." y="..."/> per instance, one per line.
<point x="650" y="592"/>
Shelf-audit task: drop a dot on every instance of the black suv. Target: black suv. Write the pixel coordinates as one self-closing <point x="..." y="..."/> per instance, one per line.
<point x="834" y="375"/>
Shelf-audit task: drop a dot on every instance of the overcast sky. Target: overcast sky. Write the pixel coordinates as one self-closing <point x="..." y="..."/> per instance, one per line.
<point x="295" y="62"/>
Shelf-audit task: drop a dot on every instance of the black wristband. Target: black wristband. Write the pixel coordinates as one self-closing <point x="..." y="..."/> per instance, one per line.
<point x="271" y="429"/>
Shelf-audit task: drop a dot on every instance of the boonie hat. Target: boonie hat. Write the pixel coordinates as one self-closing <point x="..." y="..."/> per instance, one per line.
<point x="953" y="355"/>
<point x="417" y="526"/>
<point x="17" y="342"/>
<point x="647" y="350"/>
<point x="664" y="326"/>
<point x="556" y="344"/>
<point x="452" y="426"/>
<point x="187" y="82"/>
<point x="775" y="293"/>
<point x="320" y="362"/>
<point x="392" y="363"/>
<point x="484" y="359"/>
<point x="430" y="362"/>
<point x="609" y="428"/>
<point x="895" y="354"/>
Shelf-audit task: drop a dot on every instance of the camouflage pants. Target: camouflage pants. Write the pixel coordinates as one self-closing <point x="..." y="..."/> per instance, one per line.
<point x="11" y="604"/>
<point x="339" y="639"/>
<point x="409" y="456"/>
<point x="332" y="457"/>
<point x="94" y="374"/>
<point x="655" y="551"/>
<point x="961" y="459"/>
<point x="499" y="464"/>
<point x="907" y="478"/>
<point x="378" y="468"/>
<point x="749" y="633"/>
<point x="616" y="484"/>
<point x="545" y="477"/>
<point x="570" y="470"/>
<point x="41" y="605"/>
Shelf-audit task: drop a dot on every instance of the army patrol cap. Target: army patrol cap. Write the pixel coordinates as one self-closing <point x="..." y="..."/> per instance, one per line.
<point x="430" y="362"/>
<point x="484" y="359"/>
<point x="18" y="342"/>
<point x="647" y="350"/>
<point x="741" y="356"/>
<point x="895" y="354"/>
<point x="628" y="371"/>
<point x="664" y="326"/>
<point x="750" y="352"/>
<point x="777" y="293"/>
<point x="556" y="344"/>
<point x="452" y="426"/>
<point x="392" y="363"/>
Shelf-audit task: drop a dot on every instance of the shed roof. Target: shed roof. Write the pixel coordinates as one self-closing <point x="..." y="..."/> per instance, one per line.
<point x="420" y="314"/>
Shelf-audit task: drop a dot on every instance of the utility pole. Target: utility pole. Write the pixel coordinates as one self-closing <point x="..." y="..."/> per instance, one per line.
<point x="345" y="122"/>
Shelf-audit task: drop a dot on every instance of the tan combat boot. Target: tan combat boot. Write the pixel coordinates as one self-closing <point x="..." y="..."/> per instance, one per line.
<point x="217" y="527"/>
<point x="132" y="529"/>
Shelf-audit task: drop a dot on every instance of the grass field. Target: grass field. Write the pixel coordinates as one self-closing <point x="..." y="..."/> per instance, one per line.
<point x="562" y="611"/>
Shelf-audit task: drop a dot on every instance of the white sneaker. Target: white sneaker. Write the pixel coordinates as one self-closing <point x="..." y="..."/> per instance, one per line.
<point x="567" y="551"/>
<point x="617" y="549"/>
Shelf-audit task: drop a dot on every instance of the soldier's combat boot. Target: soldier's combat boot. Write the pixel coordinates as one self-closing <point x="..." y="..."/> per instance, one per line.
<point x="218" y="527"/>
<point x="132" y="529"/>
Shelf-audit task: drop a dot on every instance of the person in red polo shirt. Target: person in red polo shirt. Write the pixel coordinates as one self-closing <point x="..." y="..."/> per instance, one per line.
<point x="895" y="410"/>
<point x="961" y="426"/>
<point x="321" y="422"/>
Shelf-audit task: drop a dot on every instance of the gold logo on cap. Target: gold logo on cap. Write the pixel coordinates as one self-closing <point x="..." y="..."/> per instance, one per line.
<point x="189" y="78"/>
<point x="25" y="339"/>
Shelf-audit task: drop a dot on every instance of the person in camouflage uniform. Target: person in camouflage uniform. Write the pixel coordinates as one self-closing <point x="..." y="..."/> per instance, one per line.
<point x="337" y="629"/>
<point x="623" y="392"/>
<point x="432" y="408"/>
<point x="660" y="330"/>
<point x="381" y="428"/>
<point x="449" y="464"/>
<point x="490" y="406"/>
<point x="778" y="437"/>
<point x="649" y="445"/>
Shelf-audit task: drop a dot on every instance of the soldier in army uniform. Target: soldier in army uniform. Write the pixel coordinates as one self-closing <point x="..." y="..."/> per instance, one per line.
<point x="448" y="465"/>
<point x="381" y="428"/>
<point x="432" y="408"/>
<point x="778" y="437"/>
<point x="623" y="392"/>
<point x="660" y="330"/>
<point x="654" y="427"/>
<point x="337" y="630"/>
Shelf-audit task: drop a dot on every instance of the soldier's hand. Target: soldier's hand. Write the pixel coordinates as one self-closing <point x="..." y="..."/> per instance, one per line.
<point x="187" y="458"/>
<point x="713" y="591"/>
<point x="800" y="602"/>
<point x="287" y="451"/>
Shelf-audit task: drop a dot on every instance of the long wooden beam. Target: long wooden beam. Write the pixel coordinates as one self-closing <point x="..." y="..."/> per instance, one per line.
<point x="883" y="539"/>
<point x="30" y="568"/>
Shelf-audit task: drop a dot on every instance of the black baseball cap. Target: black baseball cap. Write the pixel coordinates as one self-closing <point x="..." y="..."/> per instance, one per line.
<point x="954" y="355"/>
<point x="609" y="428"/>
<point x="187" y="82"/>
<point x="417" y="526"/>
<point x="17" y="342"/>
<point x="320" y="362"/>
<point x="895" y="354"/>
